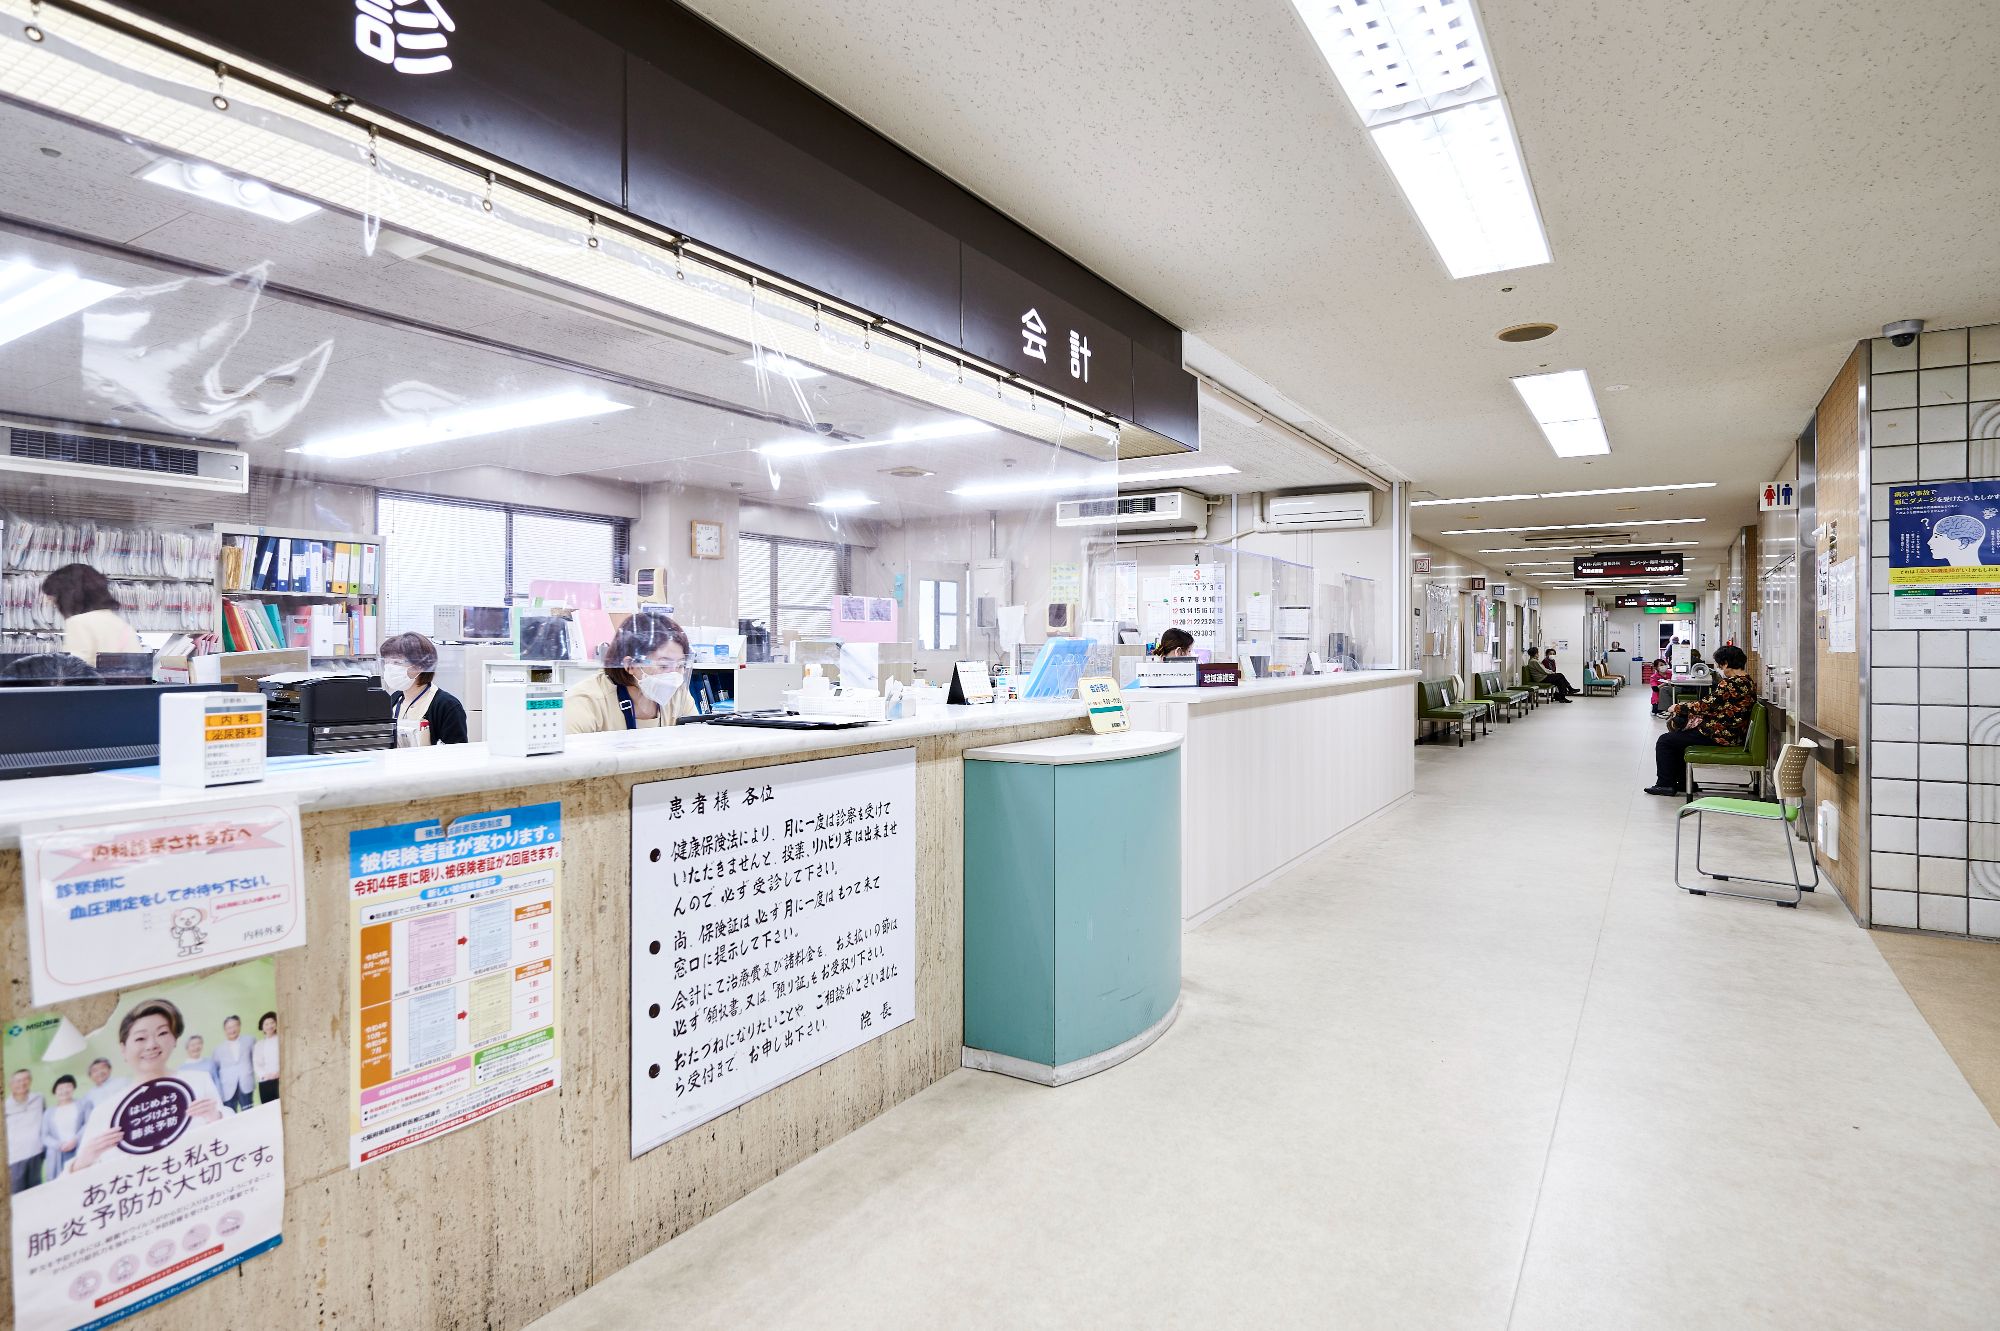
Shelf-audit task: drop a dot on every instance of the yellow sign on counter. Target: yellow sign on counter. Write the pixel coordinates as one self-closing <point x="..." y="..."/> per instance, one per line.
<point x="1107" y="704"/>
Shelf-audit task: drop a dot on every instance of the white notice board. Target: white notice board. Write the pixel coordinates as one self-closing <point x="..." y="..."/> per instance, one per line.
<point x="773" y="928"/>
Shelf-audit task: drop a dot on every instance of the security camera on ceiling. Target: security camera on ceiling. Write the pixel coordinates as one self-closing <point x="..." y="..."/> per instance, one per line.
<point x="1903" y="332"/>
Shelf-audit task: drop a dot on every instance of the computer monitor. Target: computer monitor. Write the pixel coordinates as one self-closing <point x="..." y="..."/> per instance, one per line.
<point x="48" y="731"/>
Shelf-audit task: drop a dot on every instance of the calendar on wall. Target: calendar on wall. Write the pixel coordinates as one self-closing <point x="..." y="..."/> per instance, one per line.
<point x="1194" y="602"/>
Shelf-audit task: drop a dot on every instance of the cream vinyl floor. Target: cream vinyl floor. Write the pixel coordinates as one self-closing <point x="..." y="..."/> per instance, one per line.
<point x="1476" y="1064"/>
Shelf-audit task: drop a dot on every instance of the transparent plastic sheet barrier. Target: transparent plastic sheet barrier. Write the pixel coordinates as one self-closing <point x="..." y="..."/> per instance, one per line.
<point x="282" y="392"/>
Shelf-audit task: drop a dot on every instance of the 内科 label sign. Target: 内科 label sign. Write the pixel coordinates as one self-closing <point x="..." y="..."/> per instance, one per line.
<point x="455" y="973"/>
<point x="773" y="929"/>
<point x="115" y="900"/>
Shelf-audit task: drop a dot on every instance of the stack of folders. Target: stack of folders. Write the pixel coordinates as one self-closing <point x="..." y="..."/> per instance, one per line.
<point x="323" y="630"/>
<point x="296" y="564"/>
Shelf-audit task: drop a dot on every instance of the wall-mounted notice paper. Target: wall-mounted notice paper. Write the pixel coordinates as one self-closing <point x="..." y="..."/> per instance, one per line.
<point x="455" y="974"/>
<point x="116" y="900"/>
<point x="773" y="929"/>
<point x="160" y="1152"/>
<point x="864" y="618"/>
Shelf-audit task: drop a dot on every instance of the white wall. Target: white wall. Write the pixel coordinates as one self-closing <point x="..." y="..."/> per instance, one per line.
<point x="1562" y="620"/>
<point x="701" y="591"/>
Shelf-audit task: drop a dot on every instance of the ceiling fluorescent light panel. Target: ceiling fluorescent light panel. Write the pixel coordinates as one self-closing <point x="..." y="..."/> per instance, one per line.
<point x="1563" y="405"/>
<point x="466" y="424"/>
<point x="1417" y="73"/>
<point x="32" y="298"/>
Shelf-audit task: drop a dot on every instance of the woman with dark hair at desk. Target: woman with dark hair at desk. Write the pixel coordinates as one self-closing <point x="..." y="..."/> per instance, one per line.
<point x="91" y="623"/>
<point x="644" y="681"/>
<point x="425" y="714"/>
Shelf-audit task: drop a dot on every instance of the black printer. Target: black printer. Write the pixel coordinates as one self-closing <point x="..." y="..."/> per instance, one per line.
<point x="328" y="714"/>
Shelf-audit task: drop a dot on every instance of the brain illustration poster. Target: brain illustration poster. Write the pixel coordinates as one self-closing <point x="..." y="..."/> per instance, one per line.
<point x="1944" y="555"/>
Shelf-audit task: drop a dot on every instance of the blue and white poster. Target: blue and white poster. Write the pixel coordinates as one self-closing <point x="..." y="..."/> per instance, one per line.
<point x="1944" y="555"/>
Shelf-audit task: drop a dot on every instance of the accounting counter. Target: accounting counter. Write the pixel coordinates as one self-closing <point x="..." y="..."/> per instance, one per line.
<point x="495" y="1223"/>
<point x="1273" y="768"/>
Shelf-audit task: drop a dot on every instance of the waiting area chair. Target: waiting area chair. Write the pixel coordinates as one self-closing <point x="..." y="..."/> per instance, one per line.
<point x="1596" y="683"/>
<point x="1750" y="757"/>
<point x="1544" y="691"/>
<point x="1436" y="707"/>
<point x="1790" y="782"/>
<point x="1511" y="702"/>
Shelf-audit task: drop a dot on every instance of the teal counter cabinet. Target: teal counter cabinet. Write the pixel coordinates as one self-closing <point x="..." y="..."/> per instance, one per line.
<point x="1072" y="902"/>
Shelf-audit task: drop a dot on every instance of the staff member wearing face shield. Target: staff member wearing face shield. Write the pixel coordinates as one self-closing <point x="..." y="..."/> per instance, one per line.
<point x="425" y="714"/>
<point x="644" y="681"/>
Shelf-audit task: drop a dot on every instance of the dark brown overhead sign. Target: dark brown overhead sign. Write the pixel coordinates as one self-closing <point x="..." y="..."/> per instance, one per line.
<point x="1646" y="600"/>
<point x="1627" y="564"/>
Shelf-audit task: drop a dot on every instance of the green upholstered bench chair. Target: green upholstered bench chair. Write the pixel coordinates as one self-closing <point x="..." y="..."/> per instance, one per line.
<point x="1542" y="691"/>
<point x="1454" y="696"/>
<point x="1435" y="708"/>
<point x="1748" y="758"/>
<point x="1511" y="701"/>
<point x="1790" y="781"/>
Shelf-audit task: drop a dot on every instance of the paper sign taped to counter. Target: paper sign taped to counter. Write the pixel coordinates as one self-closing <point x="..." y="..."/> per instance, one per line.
<point x="455" y="974"/>
<point x="115" y="900"/>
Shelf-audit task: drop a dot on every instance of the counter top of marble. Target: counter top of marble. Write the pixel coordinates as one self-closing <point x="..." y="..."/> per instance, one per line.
<point x="391" y="775"/>
<point x="1259" y="690"/>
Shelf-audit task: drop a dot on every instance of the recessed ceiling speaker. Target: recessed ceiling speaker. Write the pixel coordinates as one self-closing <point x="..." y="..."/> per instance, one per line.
<point x="1525" y="332"/>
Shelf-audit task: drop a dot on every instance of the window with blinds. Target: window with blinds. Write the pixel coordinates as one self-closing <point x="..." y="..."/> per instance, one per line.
<point x="438" y="554"/>
<point x="460" y="552"/>
<point x="788" y="585"/>
<point x="549" y="546"/>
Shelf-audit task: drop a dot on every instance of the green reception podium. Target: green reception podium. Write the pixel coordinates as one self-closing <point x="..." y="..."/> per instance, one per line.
<point x="1072" y="902"/>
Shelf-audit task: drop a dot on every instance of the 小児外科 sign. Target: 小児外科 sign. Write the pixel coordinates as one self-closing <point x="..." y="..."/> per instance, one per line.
<point x="1623" y="564"/>
<point x="114" y="900"/>
<point x="774" y="927"/>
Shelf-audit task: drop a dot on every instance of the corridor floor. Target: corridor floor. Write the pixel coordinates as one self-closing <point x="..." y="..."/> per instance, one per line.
<point x="1476" y="1064"/>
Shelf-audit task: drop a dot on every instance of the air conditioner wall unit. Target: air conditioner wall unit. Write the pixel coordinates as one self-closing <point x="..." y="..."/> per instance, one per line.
<point x="1327" y="509"/>
<point x="44" y="450"/>
<point x="1148" y="515"/>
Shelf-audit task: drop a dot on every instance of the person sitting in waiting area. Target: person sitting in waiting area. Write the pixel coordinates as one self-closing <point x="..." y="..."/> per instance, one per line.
<point x="1722" y="719"/>
<point x="1538" y="675"/>
<point x="1564" y="689"/>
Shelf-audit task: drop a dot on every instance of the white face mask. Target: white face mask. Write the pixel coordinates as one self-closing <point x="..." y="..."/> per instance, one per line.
<point x="397" y="678"/>
<point x="661" y="688"/>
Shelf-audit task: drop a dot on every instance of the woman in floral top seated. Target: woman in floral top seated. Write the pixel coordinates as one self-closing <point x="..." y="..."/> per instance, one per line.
<point x="1721" y="719"/>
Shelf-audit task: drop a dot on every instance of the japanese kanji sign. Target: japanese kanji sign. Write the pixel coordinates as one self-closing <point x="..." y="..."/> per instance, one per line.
<point x="162" y="1147"/>
<point x="773" y="929"/>
<point x="116" y="900"/>
<point x="455" y="973"/>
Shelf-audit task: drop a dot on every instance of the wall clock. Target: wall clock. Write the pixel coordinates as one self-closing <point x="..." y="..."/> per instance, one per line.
<point x="706" y="540"/>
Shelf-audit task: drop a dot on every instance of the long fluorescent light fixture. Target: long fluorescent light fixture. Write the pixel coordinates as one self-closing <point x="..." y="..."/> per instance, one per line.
<point x="1563" y="405"/>
<point x="772" y="363"/>
<point x="1567" y="494"/>
<point x="462" y="425"/>
<point x="1583" y="545"/>
<point x="1066" y="484"/>
<point x="909" y="434"/>
<point x="1574" y="526"/>
<point x="32" y="298"/>
<point x="1418" y="74"/>
<point x="844" y="503"/>
<point x="218" y="186"/>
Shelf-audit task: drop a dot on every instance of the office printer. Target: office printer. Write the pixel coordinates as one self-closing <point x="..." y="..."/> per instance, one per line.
<point x="327" y="714"/>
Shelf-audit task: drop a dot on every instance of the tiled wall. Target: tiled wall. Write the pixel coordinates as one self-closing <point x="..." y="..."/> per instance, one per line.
<point x="1935" y="694"/>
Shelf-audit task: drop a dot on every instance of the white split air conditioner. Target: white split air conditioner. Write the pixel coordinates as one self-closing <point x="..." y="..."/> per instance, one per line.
<point x="1154" y="515"/>
<point x="44" y="451"/>
<point x="1327" y="509"/>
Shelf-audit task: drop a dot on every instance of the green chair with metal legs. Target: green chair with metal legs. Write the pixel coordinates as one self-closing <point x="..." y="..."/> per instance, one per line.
<point x="1512" y="702"/>
<point x="1790" y="782"/>
<point x="1748" y="758"/>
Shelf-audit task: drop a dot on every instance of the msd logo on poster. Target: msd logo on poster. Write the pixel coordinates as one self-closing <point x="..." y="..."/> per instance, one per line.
<point x="411" y="39"/>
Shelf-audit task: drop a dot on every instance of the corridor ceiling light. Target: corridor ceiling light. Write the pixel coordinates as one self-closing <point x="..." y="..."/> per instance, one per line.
<point x="1574" y="526"/>
<point x="793" y="448"/>
<point x="218" y="186"/>
<point x="844" y="503"/>
<point x="1174" y="474"/>
<point x="1566" y="494"/>
<point x="1418" y="75"/>
<point x="466" y="424"/>
<point x="32" y="298"/>
<point x="1563" y="405"/>
<point x="1581" y="545"/>
<point x="952" y="429"/>
<point x="772" y="363"/>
